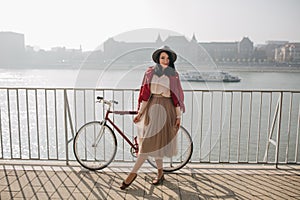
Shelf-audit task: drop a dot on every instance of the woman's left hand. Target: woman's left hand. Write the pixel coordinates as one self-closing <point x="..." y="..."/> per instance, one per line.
<point x="177" y="123"/>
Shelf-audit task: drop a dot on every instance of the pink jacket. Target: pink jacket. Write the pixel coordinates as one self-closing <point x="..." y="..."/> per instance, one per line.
<point x="175" y="87"/>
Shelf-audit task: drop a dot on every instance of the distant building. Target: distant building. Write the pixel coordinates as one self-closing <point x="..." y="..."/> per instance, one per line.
<point x="270" y="48"/>
<point x="12" y="48"/>
<point x="56" y="57"/>
<point x="222" y="51"/>
<point x="230" y="51"/>
<point x="189" y="51"/>
<point x="119" y="51"/>
<point x="288" y="53"/>
<point x="245" y="49"/>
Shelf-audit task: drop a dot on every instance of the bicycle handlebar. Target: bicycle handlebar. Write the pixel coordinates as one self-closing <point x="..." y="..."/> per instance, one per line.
<point x="106" y="101"/>
<point x="125" y="112"/>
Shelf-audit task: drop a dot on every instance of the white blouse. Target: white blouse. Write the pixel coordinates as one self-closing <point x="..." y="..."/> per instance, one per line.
<point x="160" y="85"/>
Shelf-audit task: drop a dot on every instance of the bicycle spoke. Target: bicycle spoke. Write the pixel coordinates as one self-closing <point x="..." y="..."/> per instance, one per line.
<point x="95" y="146"/>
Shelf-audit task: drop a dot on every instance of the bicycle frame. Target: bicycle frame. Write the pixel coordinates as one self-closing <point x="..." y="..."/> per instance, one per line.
<point x="116" y="127"/>
<point x="134" y="146"/>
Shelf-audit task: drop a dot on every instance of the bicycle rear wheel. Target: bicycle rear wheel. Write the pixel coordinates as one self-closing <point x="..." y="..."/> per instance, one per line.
<point x="184" y="152"/>
<point x="92" y="154"/>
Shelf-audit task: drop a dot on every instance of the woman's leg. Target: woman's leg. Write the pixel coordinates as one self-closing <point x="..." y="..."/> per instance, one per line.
<point x="139" y="162"/>
<point x="160" y="174"/>
<point x="159" y="164"/>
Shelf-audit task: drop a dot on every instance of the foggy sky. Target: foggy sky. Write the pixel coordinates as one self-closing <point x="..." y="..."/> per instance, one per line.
<point x="89" y="23"/>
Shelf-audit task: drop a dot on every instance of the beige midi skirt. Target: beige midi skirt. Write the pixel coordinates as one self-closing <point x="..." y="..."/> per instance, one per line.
<point x="157" y="131"/>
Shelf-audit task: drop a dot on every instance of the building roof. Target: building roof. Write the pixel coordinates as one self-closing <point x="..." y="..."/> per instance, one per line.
<point x="176" y="39"/>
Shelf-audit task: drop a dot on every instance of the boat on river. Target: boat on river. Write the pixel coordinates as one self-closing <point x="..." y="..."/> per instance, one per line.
<point x="197" y="76"/>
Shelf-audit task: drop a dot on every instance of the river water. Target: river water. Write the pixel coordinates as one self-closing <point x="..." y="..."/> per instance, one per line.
<point x="61" y="78"/>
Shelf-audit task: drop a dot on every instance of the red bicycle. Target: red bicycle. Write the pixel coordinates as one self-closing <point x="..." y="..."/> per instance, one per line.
<point x="95" y="143"/>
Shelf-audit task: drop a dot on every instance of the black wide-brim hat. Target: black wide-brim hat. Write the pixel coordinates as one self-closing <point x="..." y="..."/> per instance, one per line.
<point x="157" y="52"/>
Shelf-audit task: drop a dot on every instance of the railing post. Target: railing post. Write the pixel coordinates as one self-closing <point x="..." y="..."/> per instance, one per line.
<point x="67" y="115"/>
<point x="270" y="140"/>
<point x="66" y="126"/>
<point x="278" y="129"/>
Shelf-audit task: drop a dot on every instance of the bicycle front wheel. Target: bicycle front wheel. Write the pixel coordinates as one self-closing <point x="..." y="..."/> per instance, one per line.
<point x="95" y="145"/>
<point x="184" y="152"/>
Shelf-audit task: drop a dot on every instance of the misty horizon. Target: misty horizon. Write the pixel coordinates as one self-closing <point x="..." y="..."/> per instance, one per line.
<point x="122" y="38"/>
<point x="14" y="52"/>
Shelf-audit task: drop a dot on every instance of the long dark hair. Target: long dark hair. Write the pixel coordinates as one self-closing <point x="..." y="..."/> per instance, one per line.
<point x="169" y="71"/>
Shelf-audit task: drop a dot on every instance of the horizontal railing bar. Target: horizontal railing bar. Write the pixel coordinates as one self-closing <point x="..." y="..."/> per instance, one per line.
<point x="137" y="89"/>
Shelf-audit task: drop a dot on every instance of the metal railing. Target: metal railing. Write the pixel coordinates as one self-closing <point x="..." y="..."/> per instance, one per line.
<point x="227" y="126"/>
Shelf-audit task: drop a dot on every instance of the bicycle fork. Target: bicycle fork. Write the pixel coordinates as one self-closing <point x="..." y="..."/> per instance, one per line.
<point x="99" y="136"/>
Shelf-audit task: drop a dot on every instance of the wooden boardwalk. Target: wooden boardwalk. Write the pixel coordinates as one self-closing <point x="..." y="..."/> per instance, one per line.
<point x="193" y="182"/>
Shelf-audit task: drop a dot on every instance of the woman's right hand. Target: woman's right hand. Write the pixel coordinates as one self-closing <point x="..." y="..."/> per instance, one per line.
<point x="137" y="118"/>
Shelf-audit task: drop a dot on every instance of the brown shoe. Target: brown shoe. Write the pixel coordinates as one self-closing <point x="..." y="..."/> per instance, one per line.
<point x="158" y="181"/>
<point x="126" y="185"/>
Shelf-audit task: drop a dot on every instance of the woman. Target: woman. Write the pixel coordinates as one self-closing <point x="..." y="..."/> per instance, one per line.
<point x="160" y="106"/>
